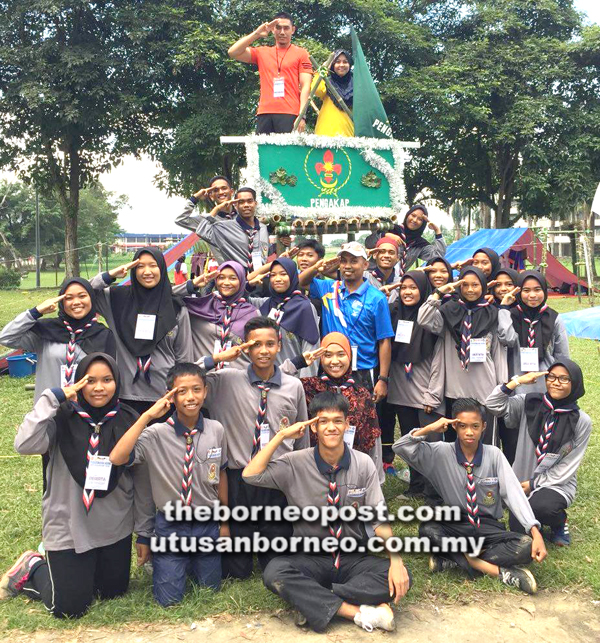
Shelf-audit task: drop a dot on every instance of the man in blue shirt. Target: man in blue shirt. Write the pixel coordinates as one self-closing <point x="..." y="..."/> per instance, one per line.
<point x="358" y="310"/>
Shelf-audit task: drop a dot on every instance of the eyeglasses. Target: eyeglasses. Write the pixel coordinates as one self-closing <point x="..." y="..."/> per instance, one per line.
<point x="563" y="379"/>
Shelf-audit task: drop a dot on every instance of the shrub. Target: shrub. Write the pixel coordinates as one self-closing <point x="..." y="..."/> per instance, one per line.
<point x="9" y="278"/>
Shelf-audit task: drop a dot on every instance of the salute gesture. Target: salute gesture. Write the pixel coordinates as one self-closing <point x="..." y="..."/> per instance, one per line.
<point x="510" y="297"/>
<point x="386" y="290"/>
<point x="203" y="279"/>
<point x="290" y="253"/>
<point x="50" y="305"/>
<point x="431" y="225"/>
<point x="121" y="271"/>
<point x="527" y="378"/>
<point x="310" y="357"/>
<point x="160" y="407"/>
<point x="447" y="289"/>
<point x="266" y="28"/>
<point x="326" y="265"/>
<point x="441" y="425"/>
<point x="231" y="354"/>
<point x="297" y="430"/>
<point x="257" y="279"/>
<point x="71" y="391"/>
<point x="222" y="206"/>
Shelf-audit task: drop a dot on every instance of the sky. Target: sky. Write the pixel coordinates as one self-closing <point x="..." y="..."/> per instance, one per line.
<point x="152" y="210"/>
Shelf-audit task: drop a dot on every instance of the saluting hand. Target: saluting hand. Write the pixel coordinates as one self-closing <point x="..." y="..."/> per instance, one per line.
<point x="121" y="271"/>
<point x="231" y="354"/>
<point x="310" y="357"/>
<point x="71" y="391"/>
<point x="531" y="378"/>
<point x="223" y="206"/>
<point x="446" y="289"/>
<point x="441" y="425"/>
<point x="290" y="253"/>
<point x="50" y="305"/>
<point x="510" y="298"/>
<point x="160" y="407"/>
<point x="386" y="290"/>
<point x="296" y="431"/>
<point x="204" y="278"/>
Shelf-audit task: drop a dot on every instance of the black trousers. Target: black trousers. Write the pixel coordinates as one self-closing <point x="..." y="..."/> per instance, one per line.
<point x="242" y="494"/>
<point x="275" y="123"/>
<point x="313" y="586"/>
<point x="501" y="547"/>
<point x="508" y="438"/>
<point x="490" y="435"/>
<point x="67" y="582"/>
<point x="387" y="423"/>
<point x="548" y="507"/>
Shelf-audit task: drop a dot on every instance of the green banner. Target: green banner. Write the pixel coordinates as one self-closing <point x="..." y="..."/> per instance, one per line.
<point x="317" y="177"/>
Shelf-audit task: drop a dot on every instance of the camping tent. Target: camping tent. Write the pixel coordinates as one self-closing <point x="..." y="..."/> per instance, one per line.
<point x="514" y="245"/>
<point x="583" y="323"/>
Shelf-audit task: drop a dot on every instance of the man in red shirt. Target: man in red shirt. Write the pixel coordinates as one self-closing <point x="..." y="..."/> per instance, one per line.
<point x="285" y="75"/>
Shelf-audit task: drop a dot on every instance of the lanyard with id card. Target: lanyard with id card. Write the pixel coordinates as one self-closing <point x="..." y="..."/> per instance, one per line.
<point x="529" y="359"/>
<point x="404" y="331"/>
<point x="97" y="475"/>
<point x="279" y="80"/>
<point x="349" y="434"/>
<point x="144" y="327"/>
<point x="478" y="351"/>
<point x="257" y="260"/>
<point x="265" y="434"/>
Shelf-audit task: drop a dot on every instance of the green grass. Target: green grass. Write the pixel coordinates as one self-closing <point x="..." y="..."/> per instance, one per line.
<point x="574" y="569"/>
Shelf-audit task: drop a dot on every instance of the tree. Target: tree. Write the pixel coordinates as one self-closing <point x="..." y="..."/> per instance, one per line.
<point x="502" y="76"/>
<point x="81" y="85"/>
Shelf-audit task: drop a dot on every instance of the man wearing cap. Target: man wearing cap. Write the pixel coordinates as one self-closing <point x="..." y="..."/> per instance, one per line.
<point x="383" y="274"/>
<point x="358" y="310"/>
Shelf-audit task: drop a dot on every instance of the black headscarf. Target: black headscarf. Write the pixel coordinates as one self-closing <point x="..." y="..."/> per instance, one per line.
<point x="538" y="406"/>
<point x="414" y="238"/>
<point x="422" y="342"/>
<point x="343" y="84"/>
<point x="450" y="270"/>
<point x="485" y="316"/>
<point x="494" y="258"/>
<point x="95" y="339"/>
<point x="73" y="432"/>
<point x="514" y="277"/>
<point x="127" y="302"/>
<point x="544" y="329"/>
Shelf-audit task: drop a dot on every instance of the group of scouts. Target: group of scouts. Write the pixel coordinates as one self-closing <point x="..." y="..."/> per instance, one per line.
<point x="277" y="381"/>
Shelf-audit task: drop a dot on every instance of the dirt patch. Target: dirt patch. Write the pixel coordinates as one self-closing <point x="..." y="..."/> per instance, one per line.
<point x="546" y="618"/>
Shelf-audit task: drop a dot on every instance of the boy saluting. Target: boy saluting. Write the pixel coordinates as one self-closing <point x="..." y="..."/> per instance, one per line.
<point x="475" y="477"/>
<point x="355" y="586"/>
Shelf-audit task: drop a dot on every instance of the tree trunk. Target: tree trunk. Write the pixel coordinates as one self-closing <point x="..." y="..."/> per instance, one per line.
<point x="508" y="166"/>
<point x="485" y="215"/>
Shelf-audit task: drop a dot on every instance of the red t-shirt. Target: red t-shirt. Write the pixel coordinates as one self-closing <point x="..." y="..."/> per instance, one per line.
<point x="287" y="64"/>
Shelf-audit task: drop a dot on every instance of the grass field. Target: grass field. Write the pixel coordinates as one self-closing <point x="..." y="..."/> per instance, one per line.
<point x="573" y="569"/>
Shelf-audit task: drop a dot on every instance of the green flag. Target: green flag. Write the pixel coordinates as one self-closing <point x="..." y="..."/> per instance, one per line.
<point x="368" y="114"/>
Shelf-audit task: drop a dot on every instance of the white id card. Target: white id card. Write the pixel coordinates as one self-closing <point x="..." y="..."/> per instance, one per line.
<point x="404" y="331"/>
<point x="217" y="349"/>
<point x="265" y="434"/>
<point x="63" y="376"/>
<point x="529" y="359"/>
<point x="478" y="349"/>
<point x="257" y="261"/>
<point x="275" y="314"/>
<point x="215" y="452"/>
<point x="278" y="87"/>
<point x="98" y="472"/>
<point x="354" y="357"/>
<point x="144" y="327"/>
<point x="349" y="436"/>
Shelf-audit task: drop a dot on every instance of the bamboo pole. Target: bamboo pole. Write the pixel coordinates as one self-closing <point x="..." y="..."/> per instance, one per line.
<point x="313" y="89"/>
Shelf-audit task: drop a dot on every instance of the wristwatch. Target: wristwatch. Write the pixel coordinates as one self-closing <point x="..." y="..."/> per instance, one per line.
<point x="439" y="293"/>
<point x="384" y="379"/>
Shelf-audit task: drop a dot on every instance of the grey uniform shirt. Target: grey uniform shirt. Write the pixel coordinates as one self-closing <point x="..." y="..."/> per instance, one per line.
<point x="557" y="471"/>
<point x="65" y="523"/>
<point x="426" y="385"/>
<point x="372" y="279"/>
<point x="233" y="399"/>
<point x="424" y="253"/>
<point x="555" y="351"/>
<point x="227" y="238"/>
<point x="206" y="338"/>
<point x="292" y="345"/>
<point x="495" y="481"/>
<point x="50" y="355"/>
<point x="163" y="447"/>
<point x="175" y="346"/>
<point x="302" y="478"/>
<point x="481" y="377"/>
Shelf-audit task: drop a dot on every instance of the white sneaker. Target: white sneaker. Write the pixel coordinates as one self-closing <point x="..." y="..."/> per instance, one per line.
<point x="371" y="616"/>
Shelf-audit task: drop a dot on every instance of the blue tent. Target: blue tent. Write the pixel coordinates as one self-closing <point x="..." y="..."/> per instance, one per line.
<point x="498" y="240"/>
<point x="583" y="323"/>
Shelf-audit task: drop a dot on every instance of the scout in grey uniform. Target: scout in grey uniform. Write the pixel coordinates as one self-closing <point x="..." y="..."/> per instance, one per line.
<point x="477" y="478"/>
<point x="474" y="360"/>
<point x="152" y="329"/>
<point x="217" y="319"/>
<point x="535" y="335"/>
<point x="90" y="507"/>
<point x="355" y="586"/>
<point x="185" y="456"/>
<point x="553" y="437"/>
<point x="416" y="388"/>
<point x="60" y="343"/>
<point x="253" y="405"/>
<point x="292" y="312"/>
<point x="243" y="239"/>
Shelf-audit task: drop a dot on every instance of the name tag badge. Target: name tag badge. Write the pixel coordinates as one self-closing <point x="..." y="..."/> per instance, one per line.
<point x="213" y="453"/>
<point x="548" y="461"/>
<point x="357" y="492"/>
<point x="98" y="473"/>
<point x="265" y="434"/>
<point x="354" y="357"/>
<point x="488" y="481"/>
<point x="478" y="349"/>
<point x="349" y="436"/>
<point x="529" y="359"/>
<point x="278" y="87"/>
<point x="63" y="376"/>
<point x="404" y="331"/>
<point x="275" y="314"/>
<point x="144" y="327"/>
<point x="257" y="260"/>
